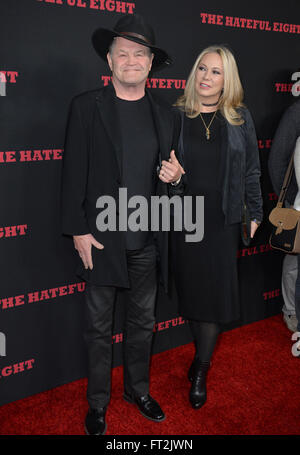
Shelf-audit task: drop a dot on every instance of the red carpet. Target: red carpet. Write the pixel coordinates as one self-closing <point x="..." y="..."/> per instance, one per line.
<point x="253" y="389"/>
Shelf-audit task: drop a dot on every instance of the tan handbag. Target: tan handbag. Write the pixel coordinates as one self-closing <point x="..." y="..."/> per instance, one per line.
<point x="285" y="234"/>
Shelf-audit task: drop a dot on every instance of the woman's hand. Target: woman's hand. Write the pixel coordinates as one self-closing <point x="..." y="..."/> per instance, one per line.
<point x="254" y="226"/>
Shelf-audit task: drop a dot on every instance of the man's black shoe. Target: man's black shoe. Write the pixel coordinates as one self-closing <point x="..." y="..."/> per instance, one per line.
<point x="148" y="407"/>
<point x="95" y="422"/>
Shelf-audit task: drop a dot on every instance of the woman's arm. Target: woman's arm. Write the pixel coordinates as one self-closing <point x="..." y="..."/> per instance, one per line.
<point x="252" y="171"/>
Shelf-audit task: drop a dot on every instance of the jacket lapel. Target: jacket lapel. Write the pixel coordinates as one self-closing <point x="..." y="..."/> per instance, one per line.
<point x="105" y="101"/>
<point x="183" y="141"/>
<point x="161" y="127"/>
<point x="225" y="155"/>
<point x="185" y="137"/>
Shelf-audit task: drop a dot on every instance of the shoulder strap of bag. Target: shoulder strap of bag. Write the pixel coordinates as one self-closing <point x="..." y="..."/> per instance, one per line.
<point x="286" y="181"/>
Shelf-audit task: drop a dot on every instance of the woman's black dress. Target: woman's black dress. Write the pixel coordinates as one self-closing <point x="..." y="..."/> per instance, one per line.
<point x="206" y="272"/>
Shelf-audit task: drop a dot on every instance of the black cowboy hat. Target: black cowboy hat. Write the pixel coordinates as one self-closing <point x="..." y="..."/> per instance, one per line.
<point x="134" y="28"/>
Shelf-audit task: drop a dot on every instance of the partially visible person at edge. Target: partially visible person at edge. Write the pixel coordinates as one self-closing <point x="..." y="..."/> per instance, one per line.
<point x="117" y="137"/>
<point x="285" y="142"/>
<point x="219" y="153"/>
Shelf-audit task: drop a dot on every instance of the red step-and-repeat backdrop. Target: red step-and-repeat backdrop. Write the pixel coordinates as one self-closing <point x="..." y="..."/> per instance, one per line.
<point x="46" y="59"/>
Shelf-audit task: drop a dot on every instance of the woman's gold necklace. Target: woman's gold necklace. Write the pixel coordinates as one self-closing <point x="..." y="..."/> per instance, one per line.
<point x="208" y="126"/>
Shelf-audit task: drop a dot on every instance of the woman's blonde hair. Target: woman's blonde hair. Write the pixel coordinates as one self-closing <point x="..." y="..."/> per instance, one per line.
<point x="232" y="95"/>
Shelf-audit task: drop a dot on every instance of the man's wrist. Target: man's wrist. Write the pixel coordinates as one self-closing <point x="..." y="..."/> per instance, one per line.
<point x="176" y="182"/>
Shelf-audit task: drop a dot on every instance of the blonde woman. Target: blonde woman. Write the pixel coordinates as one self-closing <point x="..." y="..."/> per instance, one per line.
<point x="219" y="154"/>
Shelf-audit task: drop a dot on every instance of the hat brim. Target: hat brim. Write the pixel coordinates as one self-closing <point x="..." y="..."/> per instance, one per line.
<point x="102" y="39"/>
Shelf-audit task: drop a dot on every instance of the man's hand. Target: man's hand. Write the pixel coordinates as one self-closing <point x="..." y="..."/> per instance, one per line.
<point x="171" y="170"/>
<point x="83" y="244"/>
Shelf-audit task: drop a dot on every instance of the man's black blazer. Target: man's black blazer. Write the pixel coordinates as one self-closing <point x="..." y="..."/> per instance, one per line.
<point x="92" y="168"/>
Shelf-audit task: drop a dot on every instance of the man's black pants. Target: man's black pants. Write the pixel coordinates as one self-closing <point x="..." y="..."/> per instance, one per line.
<point x="137" y="333"/>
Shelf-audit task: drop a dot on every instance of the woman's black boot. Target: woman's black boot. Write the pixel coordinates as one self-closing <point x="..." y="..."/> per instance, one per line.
<point x="191" y="371"/>
<point x="198" y="388"/>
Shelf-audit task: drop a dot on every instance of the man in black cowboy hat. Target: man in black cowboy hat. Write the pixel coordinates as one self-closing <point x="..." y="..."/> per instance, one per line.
<point x="117" y="137"/>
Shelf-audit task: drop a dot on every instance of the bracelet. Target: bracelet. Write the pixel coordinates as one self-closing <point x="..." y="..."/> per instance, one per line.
<point x="256" y="221"/>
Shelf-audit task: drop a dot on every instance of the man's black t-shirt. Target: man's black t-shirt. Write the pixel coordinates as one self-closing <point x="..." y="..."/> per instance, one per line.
<point x="139" y="159"/>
